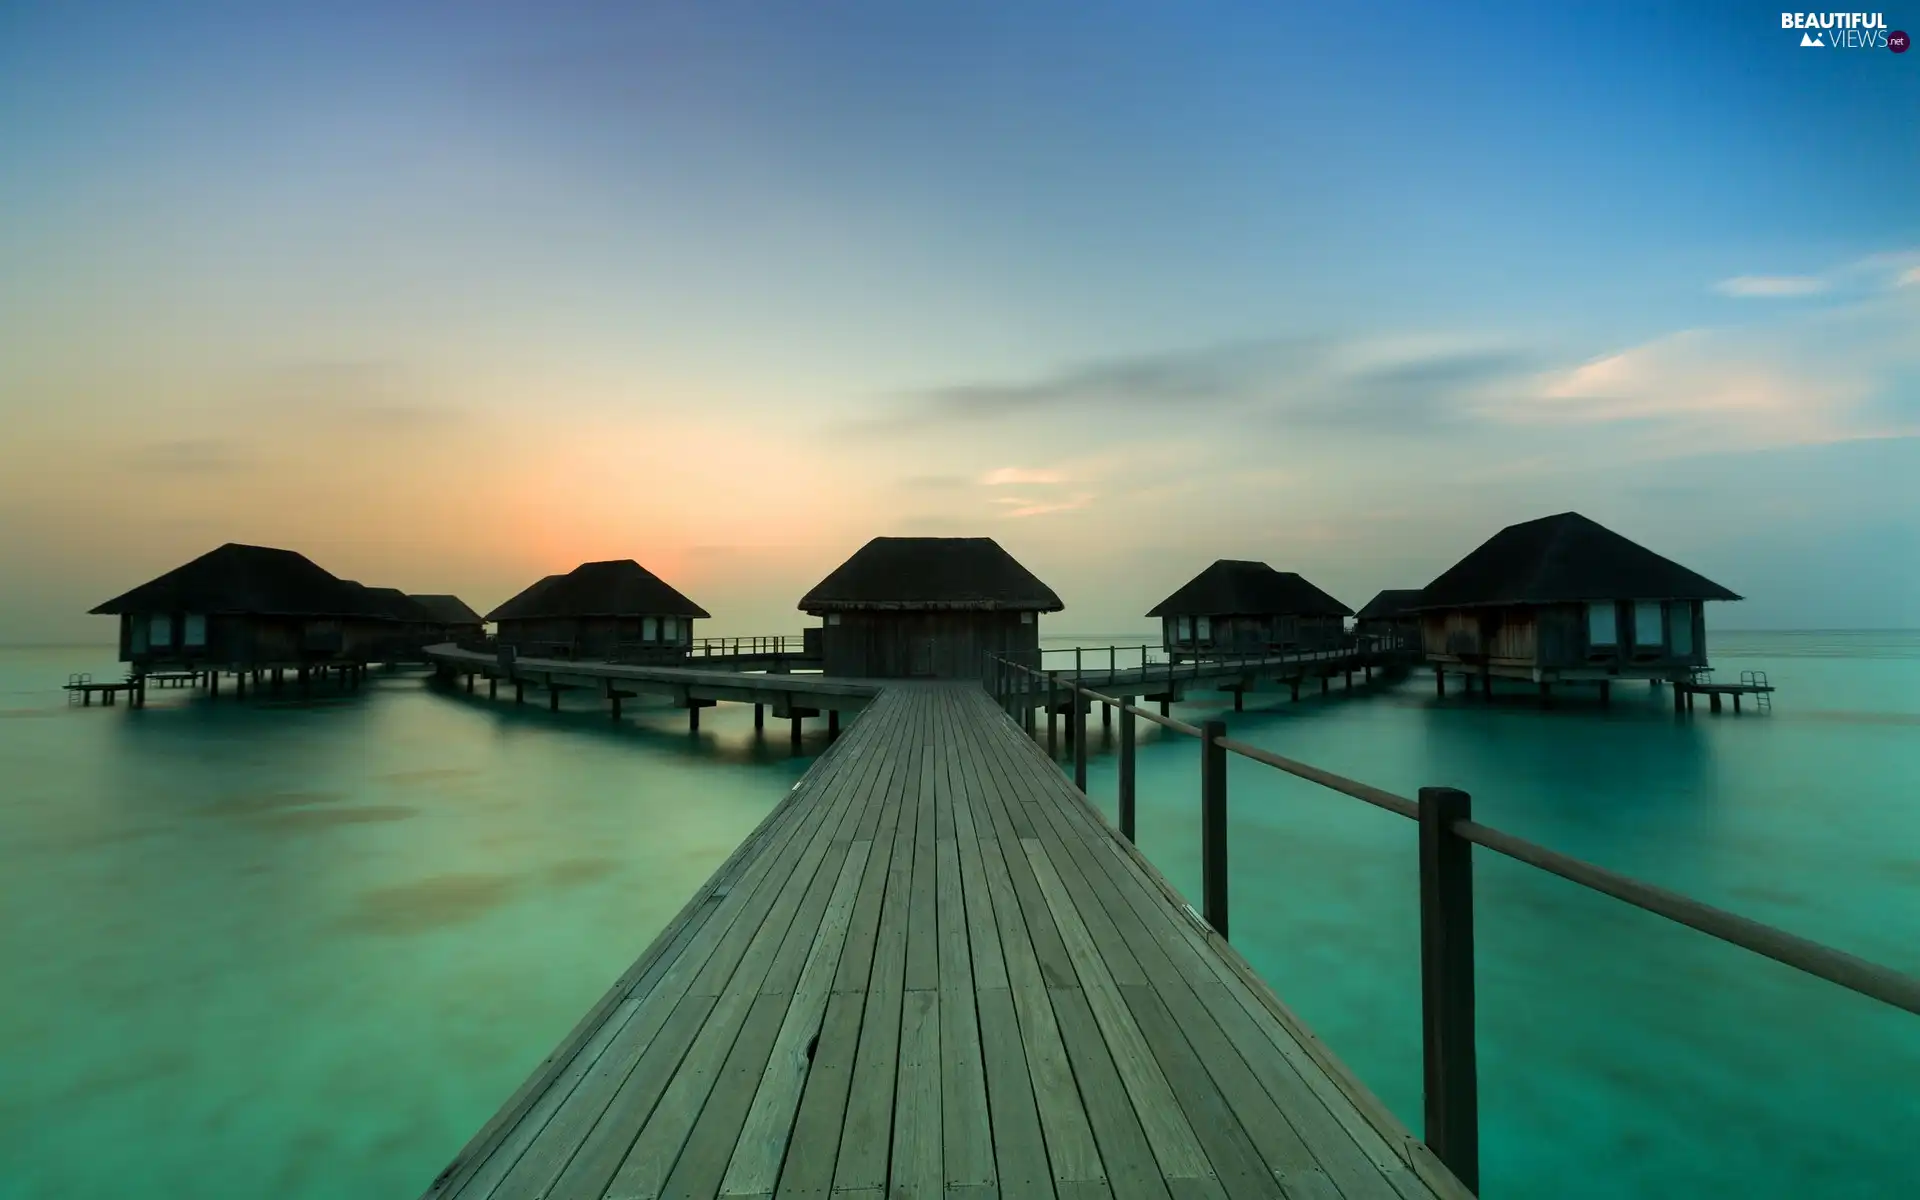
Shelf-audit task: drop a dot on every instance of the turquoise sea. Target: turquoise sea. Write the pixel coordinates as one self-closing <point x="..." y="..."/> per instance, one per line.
<point x="309" y="948"/>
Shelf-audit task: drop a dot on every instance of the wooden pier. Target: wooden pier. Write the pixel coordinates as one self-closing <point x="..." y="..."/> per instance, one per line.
<point x="935" y="970"/>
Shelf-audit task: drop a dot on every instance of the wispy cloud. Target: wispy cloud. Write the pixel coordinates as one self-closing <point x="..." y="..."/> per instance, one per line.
<point x="1035" y="508"/>
<point x="1022" y="475"/>
<point x="1771" y="286"/>
<point x="1909" y="277"/>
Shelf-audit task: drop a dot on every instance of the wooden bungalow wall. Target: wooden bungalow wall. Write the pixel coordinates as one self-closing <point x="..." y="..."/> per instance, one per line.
<point x="1556" y="637"/>
<point x="1252" y="635"/>
<point x="940" y="645"/>
<point x="593" y="635"/>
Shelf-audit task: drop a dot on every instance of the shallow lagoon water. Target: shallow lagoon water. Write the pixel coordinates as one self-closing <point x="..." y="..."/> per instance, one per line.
<point x="1620" y="1054"/>
<point x="311" y="947"/>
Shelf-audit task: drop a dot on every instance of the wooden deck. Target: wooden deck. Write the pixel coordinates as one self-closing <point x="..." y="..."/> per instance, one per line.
<point x="934" y="970"/>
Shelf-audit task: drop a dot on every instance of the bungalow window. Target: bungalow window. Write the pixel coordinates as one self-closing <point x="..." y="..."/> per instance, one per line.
<point x="669" y="629"/>
<point x="194" y="630"/>
<point x="1183" y="629"/>
<point x="1680" y="628"/>
<point x="137" y="634"/>
<point x="160" y="629"/>
<point x="1646" y="623"/>
<point x="833" y="618"/>
<point x="1026" y="618"/>
<point x="650" y="629"/>
<point x="1203" y="628"/>
<point x="1603" y="624"/>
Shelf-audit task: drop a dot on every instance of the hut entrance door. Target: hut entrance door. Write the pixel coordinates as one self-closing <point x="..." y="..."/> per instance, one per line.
<point x="920" y="664"/>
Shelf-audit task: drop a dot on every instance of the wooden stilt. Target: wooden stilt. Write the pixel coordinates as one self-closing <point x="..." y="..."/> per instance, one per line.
<point x="553" y="699"/>
<point x="759" y="716"/>
<point x="519" y="692"/>
<point x="1606" y="693"/>
<point x="693" y="718"/>
<point x="833" y="723"/>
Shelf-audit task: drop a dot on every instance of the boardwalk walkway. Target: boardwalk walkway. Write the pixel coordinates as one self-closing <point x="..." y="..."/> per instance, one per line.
<point x="934" y="970"/>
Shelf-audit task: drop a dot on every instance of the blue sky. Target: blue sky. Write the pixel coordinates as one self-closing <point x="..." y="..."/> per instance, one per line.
<point x="731" y="287"/>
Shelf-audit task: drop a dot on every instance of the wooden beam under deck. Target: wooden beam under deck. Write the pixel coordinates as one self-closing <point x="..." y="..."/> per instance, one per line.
<point x="935" y="971"/>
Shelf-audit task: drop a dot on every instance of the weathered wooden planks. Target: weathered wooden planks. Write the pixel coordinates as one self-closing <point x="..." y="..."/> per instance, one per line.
<point x="936" y="970"/>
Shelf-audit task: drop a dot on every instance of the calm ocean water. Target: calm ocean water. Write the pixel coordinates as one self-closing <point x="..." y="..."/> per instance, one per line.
<point x="311" y="948"/>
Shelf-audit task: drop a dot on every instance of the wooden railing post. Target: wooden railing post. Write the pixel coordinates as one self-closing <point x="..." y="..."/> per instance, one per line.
<point x="1446" y="984"/>
<point x="1126" y="767"/>
<point x="1080" y="706"/>
<point x="1213" y="825"/>
<point x="1053" y="713"/>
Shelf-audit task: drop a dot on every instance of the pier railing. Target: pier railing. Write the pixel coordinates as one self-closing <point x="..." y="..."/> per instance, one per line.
<point x="1447" y="835"/>
<point x="653" y="652"/>
<point x="1089" y="662"/>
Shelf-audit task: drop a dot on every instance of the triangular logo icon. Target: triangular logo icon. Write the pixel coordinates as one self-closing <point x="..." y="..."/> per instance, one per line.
<point x="1808" y="39"/>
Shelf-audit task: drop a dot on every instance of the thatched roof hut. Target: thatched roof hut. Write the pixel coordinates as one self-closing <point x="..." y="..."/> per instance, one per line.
<point x="927" y="606"/>
<point x="1560" y="559"/>
<point x="449" y="611"/>
<point x="931" y="574"/>
<point x="1239" y="606"/>
<point x="1564" y="597"/>
<point x="611" y="608"/>
<point x="1391" y="604"/>
<point x="254" y="580"/>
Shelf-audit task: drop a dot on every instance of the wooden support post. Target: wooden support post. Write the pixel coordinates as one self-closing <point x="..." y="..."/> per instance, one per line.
<point x="213" y="686"/>
<point x="1053" y="714"/>
<point x="1713" y="701"/>
<point x="239" y="684"/>
<point x="693" y="718"/>
<point x="1213" y="825"/>
<point x="1079" y="739"/>
<point x="1349" y="678"/>
<point x="553" y="699"/>
<point x="1326" y="684"/>
<point x="1606" y="693"/>
<point x="796" y="733"/>
<point x="519" y="692"/>
<point x="1446" y="984"/>
<point x="279" y="679"/>
<point x="833" y="723"/>
<point x="615" y="706"/>
<point x="1486" y="684"/>
<point x="1736" y="702"/>
<point x="1293" y="685"/>
<point x="1126" y="768"/>
<point x="1163" y="706"/>
<point x="759" y="716"/>
<point x="1439" y="682"/>
<point x="1106" y="715"/>
<point x="1679" y="699"/>
<point x="469" y="683"/>
<point x="493" y="688"/>
<point x="1240" y="699"/>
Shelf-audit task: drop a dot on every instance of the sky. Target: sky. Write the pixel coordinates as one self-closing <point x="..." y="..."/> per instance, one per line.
<point x="449" y="297"/>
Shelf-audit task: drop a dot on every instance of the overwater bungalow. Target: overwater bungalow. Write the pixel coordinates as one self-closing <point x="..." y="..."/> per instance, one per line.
<point x="238" y="606"/>
<point x="1241" y="607"/>
<point x="1390" y="617"/>
<point x="931" y="607"/>
<point x="394" y="629"/>
<point x="612" y="609"/>
<point x="453" y="619"/>
<point x="1564" y="598"/>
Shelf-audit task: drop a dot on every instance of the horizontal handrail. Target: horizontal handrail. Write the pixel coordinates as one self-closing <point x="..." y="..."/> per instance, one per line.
<point x="1446" y="832"/>
<point x="1835" y="966"/>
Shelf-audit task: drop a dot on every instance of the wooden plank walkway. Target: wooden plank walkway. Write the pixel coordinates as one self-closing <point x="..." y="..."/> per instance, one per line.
<point x="935" y="969"/>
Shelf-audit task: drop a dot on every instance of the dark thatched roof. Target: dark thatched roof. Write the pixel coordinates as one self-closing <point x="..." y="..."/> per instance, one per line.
<point x="1234" y="587"/>
<point x="616" y="588"/>
<point x="257" y="580"/>
<point x="447" y="610"/>
<point x="931" y="573"/>
<point x="1394" y="602"/>
<point x="1560" y="559"/>
<point x="395" y="605"/>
